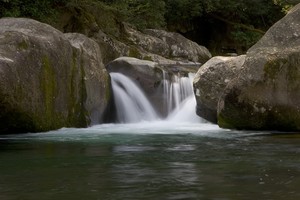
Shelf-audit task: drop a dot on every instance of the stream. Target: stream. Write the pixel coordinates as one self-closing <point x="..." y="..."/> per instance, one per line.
<point x="144" y="157"/>
<point x="156" y="160"/>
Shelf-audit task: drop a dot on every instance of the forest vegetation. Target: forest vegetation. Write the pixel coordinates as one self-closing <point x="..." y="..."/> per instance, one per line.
<point x="220" y="25"/>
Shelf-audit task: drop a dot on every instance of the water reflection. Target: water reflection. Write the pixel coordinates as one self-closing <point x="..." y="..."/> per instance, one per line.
<point x="127" y="148"/>
<point x="184" y="173"/>
<point x="152" y="166"/>
<point x="182" y="147"/>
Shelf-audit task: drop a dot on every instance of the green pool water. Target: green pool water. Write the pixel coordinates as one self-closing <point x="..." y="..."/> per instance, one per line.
<point x="150" y="161"/>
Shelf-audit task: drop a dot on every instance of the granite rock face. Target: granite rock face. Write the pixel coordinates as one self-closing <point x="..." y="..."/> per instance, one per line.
<point x="210" y="82"/>
<point x="154" y="45"/>
<point x="96" y="78"/>
<point x="48" y="80"/>
<point x="266" y="94"/>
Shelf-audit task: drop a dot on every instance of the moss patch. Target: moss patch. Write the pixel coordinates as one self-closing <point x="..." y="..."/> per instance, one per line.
<point x="84" y="119"/>
<point x="293" y="71"/>
<point x="48" y="84"/>
<point x="223" y="122"/>
<point x="48" y="118"/>
<point x="248" y="115"/>
<point x="147" y="58"/>
<point x="134" y="52"/>
<point x="77" y="113"/>
<point x="23" y="45"/>
<point x="240" y="115"/>
<point x="272" y="68"/>
<point x="108" y="89"/>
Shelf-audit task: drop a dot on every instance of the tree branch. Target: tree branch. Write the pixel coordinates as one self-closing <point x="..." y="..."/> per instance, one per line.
<point x="238" y="24"/>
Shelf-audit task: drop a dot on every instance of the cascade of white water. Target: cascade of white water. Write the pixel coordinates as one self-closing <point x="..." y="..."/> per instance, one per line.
<point x="166" y="90"/>
<point x="131" y="104"/>
<point x="186" y="86"/>
<point x="176" y="90"/>
<point x="185" y="112"/>
<point x="181" y="99"/>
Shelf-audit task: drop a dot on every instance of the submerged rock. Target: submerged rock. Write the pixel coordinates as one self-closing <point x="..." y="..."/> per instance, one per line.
<point x="46" y="81"/>
<point x="210" y="82"/>
<point x="266" y="94"/>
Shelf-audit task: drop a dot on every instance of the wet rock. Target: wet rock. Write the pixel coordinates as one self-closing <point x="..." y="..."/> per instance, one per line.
<point x="266" y="94"/>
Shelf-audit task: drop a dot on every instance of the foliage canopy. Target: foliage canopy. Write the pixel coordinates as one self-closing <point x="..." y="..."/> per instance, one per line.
<point x="246" y="20"/>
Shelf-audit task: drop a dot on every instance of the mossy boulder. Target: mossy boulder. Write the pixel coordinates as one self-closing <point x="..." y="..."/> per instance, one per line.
<point x="210" y="82"/>
<point x="266" y="94"/>
<point x="46" y="81"/>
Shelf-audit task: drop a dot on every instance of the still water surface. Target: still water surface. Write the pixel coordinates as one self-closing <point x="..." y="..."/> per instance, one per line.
<point x="150" y="161"/>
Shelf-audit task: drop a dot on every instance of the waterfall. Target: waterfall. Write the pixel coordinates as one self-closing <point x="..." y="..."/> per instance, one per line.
<point x="185" y="112"/>
<point x="131" y="103"/>
<point x="181" y="100"/>
<point x="176" y="90"/>
<point x="133" y="106"/>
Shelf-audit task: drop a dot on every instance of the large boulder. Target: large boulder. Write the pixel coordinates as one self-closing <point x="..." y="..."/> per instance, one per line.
<point x="168" y="45"/>
<point x="46" y="81"/>
<point x="266" y="94"/>
<point x="210" y="82"/>
<point x="153" y="45"/>
<point x="178" y="47"/>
